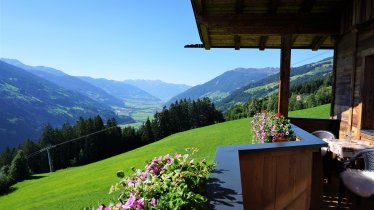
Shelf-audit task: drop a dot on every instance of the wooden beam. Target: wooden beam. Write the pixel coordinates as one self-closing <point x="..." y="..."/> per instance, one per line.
<point x="239" y="6"/>
<point x="273" y="23"/>
<point x="262" y="43"/>
<point x="237" y="42"/>
<point x="307" y="6"/>
<point x="200" y="6"/>
<point x="284" y="76"/>
<point x="335" y="59"/>
<point x="205" y="36"/>
<point x="294" y="38"/>
<point x="317" y="42"/>
<point x="273" y="6"/>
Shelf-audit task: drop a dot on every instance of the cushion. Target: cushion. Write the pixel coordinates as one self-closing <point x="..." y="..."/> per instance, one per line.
<point x="359" y="182"/>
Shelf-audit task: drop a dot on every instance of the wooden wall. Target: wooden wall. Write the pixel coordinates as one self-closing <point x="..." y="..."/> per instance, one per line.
<point x="354" y="44"/>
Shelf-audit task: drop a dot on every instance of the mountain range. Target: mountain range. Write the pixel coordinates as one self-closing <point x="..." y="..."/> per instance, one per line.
<point x="162" y="90"/>
<point x="29" y="102"/>
<point x="241" y="84"/>
<point x="269" y="85"/>
<point x="223" y="85"/>
<point x="32" y="96"/>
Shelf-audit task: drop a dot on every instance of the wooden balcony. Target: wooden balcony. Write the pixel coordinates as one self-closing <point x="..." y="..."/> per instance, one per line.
<point x="284" y="175"/>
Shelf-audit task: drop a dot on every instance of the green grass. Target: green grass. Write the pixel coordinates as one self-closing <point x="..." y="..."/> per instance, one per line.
<point x="87" y="186"/>
<point x="79" y="187"/>
<point x="322" y="111"/>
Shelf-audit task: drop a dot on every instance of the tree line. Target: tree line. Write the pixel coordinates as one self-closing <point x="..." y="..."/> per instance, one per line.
<point x="18" y="163"/>
<point x="304" y="95"/>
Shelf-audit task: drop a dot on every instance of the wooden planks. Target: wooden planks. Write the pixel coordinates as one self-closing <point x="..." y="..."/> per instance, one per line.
<point x="275" y="180"/>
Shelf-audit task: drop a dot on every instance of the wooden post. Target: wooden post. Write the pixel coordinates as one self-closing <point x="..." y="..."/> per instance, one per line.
<point x="284" y="76"/>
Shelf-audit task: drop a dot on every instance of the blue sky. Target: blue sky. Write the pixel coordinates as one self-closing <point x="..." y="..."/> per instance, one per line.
<point x="122" y="39"/>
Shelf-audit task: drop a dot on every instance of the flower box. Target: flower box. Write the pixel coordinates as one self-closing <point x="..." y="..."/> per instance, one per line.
<point x="270" y="127"/>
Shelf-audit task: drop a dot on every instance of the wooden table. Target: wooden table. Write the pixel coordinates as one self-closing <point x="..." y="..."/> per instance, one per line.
<point x="345" y="149"/>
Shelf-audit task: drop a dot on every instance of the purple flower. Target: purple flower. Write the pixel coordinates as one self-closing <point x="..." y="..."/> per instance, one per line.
<point x="153" y="201"/>
<point x="140" y="203"/>
<point x="130" y="182"/>
<point x="287" y="133"/>
<point x="100" y="207"/>
<point x="130" y="202"/>
<point x="178" y="156"/>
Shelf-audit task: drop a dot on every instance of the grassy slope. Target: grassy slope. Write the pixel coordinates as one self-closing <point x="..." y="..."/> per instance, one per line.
<point x="75" y="188"/>
<point x="79" y="187"/>
<point x="322" y="111"/>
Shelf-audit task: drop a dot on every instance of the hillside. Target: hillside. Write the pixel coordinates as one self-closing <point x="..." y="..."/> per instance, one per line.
<point x="88" y="186"/>
<point x="162" y="90"/>
<point x="269" y="85"/>
<point x="79" y="187"/>
<point x="69" y="82"/>
<point x="29" y="102"/>
<point x="121" y="89"/>
<point x="221" y="86"/>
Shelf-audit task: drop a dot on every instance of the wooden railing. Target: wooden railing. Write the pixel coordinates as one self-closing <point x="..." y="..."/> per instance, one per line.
<point x="285" y="175"/>
<point x="314" y="124"/>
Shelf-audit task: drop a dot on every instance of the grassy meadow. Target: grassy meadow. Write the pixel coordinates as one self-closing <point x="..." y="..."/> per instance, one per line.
<point x="322" y="111"/>
<point x="88" y="186"/>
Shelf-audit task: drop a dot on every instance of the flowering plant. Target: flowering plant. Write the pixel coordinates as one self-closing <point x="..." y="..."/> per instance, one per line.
<point x="270" y="127"/>
<point x="168" y="182"/>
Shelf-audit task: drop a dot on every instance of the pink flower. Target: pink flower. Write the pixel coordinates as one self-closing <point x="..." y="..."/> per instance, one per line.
<point x="130" y="183"/>
<point x="140" y="203"/>
<point x="100" y="207"/>
<point x="287" y="133"/>
<point x="130" y="202"/>
<point x="153" y="202"/>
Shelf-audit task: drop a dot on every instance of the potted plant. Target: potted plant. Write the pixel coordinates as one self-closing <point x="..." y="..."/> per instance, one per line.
<point x="271" y="127"/>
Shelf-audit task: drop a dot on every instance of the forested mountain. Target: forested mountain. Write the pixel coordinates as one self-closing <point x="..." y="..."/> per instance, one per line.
<point x="269" y="85"/>
<point x="121" y="89"/>
<point x="162" y="90"/>
<point x="29" y="102"/>
<point x="69" y="82"/>
<point x="221" y="86"/>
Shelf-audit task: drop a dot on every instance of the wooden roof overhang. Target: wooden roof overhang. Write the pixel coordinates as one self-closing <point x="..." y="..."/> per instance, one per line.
<point x="281" y="24"/>
<point x="260" y="23"/>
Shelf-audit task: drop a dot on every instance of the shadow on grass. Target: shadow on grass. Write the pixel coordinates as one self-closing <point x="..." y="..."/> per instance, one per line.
<point x="34" y="177"/>
<point x="10" y="190"/>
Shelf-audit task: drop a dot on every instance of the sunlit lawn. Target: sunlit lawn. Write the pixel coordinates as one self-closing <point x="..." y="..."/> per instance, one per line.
<point x="79" y="187"/>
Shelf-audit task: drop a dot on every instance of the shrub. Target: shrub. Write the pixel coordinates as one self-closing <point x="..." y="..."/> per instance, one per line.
<point x="168" y="182"/>
<point x="4" y="183"/>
